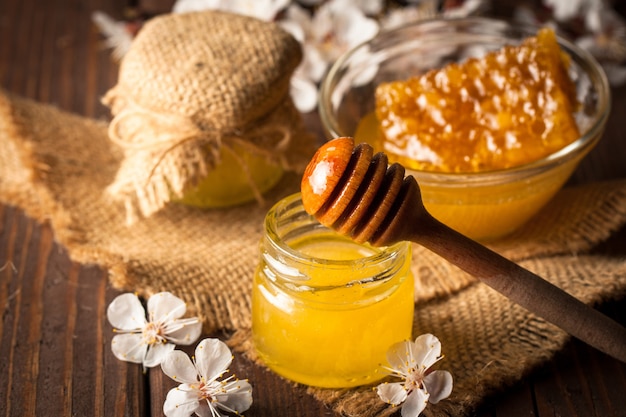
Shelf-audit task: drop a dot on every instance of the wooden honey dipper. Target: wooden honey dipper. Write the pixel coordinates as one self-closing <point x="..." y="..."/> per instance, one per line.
<point x="355" y="192"/>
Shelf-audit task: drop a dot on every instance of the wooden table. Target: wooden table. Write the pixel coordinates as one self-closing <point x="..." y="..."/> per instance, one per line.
<point x="55" y="357"/>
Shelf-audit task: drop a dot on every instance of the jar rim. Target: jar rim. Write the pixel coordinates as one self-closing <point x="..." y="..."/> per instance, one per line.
<point x="292" y="206"/>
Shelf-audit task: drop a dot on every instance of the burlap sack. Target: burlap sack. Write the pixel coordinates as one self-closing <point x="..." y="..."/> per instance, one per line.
<point x="192" y="84"/>
<point x="56" y="167"/>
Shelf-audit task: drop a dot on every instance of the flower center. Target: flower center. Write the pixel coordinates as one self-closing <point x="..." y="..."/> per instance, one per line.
<point x="415" y="379"/>
<point x="209" y="391"/>
<point x="153" y="333"/>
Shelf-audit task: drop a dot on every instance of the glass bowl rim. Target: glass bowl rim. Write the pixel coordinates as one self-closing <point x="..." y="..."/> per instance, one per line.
<point x="579" y="147"/>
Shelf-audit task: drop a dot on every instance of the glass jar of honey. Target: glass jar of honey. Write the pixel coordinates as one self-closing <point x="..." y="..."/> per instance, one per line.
<point x="325" y="309"/>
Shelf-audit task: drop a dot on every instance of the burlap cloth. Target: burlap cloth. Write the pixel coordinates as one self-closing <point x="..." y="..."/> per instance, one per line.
<point x="56" y="165"/>
<point x="191" y="85"/>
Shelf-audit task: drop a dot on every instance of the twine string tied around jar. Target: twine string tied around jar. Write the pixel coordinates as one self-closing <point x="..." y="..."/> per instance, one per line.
<point x="166" y="153"/>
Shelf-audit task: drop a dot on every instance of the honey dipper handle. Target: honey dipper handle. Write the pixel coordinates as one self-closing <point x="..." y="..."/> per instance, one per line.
<point x="523" y="287"/>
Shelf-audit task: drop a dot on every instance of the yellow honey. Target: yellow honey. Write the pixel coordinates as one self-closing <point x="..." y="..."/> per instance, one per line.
<point x="236" y="179"/>
<point x="325" y="309"/>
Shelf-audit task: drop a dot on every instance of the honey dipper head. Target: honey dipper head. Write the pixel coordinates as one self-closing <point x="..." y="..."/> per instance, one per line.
<point x="353" y="191"/>
<point x="323" y="173"/>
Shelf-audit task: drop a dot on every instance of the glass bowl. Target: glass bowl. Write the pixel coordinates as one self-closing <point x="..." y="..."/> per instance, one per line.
<point x="482" y="205"/>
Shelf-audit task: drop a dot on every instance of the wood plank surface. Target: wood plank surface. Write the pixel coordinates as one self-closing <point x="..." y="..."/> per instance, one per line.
<point x="55" y="356"/>
<point x="54" y="340"/>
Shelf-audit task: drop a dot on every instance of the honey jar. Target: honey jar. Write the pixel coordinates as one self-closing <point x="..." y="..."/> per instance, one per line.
<point x="325" y="309"/>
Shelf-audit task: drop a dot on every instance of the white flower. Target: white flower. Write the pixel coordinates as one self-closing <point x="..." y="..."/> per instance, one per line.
<point x="338" y="26"/>
<point x="201" y="392"/>
<point x="588" y="10"/>
<point x="147" y="341"/>
<point x="335" y="27"/>
<point x="401" y="16"/>
<point x="428" y="9"/>
<point x="117" y="33"/>
<point x="412" y="362"/>
<point x="370" y="7"/>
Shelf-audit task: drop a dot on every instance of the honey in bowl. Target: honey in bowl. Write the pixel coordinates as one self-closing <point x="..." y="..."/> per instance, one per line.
<point x="507" y="109"/>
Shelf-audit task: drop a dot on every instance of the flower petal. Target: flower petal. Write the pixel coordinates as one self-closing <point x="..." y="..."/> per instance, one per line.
<point x="355" y="28"/>
<point x="294" y="29"/>
<point x="298" y="17"/>
<point x="156" y="354"/>
<point x="304" y="94"/>
<point x="398" y="357"/>
<point x="183" y="331"/>
<point x="165" y="306"/>
<point x="392" y="393"/>
<point x="426" y="350"/>
<point x="238" y="398"/>
<point x="564" y="10"/>
<point x="213" y="358"/>
<point x="126" y="312"/>
<point x="179" y="367"/>
<point x="439" y="385"/>
<point x="180" y="402"/>
<point x="129" y="347"/>
<point x="415" y="403"/>
<point x="313" y="66"/>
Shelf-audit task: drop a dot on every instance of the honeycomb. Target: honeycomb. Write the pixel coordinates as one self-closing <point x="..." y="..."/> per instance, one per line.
<point x="507" y="108"/>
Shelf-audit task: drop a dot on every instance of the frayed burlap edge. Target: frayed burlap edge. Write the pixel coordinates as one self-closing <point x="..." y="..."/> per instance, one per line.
<point x="24" y="186"/>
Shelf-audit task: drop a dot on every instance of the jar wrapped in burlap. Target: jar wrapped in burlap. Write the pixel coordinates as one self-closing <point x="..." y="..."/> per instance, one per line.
<point x="193" y="84"/>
